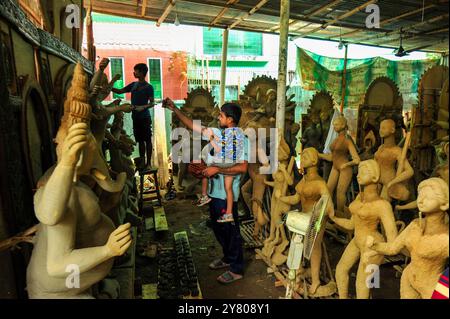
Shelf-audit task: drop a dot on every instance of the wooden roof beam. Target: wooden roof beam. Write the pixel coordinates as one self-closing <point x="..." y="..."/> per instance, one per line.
<point x="323" y="8"/>
<point x="222" y="12"/>
<point x="386" y="21"/>
<point x="341" y="17"/>
<point x="413" y="36"/>
<point x="170" y="5"/>
<point x="410" y="27"/>
<point x="246" y="15"/>
<point x="144" y="8"/>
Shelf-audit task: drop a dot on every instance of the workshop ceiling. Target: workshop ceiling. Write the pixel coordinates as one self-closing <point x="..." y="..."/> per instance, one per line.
<point x="422" y="24"/>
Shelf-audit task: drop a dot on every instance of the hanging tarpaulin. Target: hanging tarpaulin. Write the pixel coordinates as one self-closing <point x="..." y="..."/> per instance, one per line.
<point x="322" y="73"/>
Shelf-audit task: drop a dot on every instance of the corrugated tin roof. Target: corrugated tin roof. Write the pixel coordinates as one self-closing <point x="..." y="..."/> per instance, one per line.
<point x="424" y="24"/>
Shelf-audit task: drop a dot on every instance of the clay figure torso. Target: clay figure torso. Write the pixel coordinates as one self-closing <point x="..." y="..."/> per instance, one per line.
<point x="340" y="151"/>
<point x="92" y="229"/>
<point x="429" y="254"/>
<point x="366" y="218"/>
<point x="387" y="158"/>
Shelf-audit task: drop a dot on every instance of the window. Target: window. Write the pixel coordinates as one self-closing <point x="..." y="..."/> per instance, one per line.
<point x="239" y="42"/>
<point x="116" y="67"/>
<point x="155" y="76"/>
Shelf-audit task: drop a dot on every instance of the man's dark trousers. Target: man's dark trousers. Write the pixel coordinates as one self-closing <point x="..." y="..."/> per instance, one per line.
<point x="228" y="235"/>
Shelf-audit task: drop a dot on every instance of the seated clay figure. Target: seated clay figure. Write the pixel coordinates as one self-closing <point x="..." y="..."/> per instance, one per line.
<point x="426" y="239"/>
<point x="74" y="236"/>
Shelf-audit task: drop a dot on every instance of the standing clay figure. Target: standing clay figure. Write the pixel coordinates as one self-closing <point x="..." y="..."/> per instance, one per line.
<point x="277" y="242"/>
<point x="368" y="211"/>
<point x="74" y="236"/>
<point x="341" y="173"/>
<point x="426" y="239"/>
<point x="394" y="166"/>
<point x="308" y="192"/>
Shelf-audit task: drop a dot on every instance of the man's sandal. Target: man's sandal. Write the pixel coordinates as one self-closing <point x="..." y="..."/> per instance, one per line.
<point x="228" y="277"/>
<point x="218" y="264"/>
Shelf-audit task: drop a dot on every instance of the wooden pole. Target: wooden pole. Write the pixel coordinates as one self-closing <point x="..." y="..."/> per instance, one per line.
<point x="223" y="71"/>
<point x="344" y="80"/>
<point x="282" y="65"/>
<point x="203" y="72"/>
<point x="208" y="82"/>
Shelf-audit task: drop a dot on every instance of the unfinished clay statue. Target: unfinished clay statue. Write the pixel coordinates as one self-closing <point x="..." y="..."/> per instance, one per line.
<point x="277" y="242"/>
<point x="395" y="168"/>
<point x="440" y="171"/>
<point x="99" y="90"/>
<point x="426" y="239"/>
<point x="74" y="237"/>
<point x="341" y="173"/>
<point x="368" y="210"/>
<point x="308" y="192"/>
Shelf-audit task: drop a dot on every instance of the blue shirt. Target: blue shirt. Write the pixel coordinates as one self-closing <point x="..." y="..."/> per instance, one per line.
<point x="141" y="94"/>
<point x="216" y="183"/>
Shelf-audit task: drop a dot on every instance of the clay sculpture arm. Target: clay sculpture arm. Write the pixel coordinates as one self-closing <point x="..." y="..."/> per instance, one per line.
<point x="347" y="224"/>
<point x="271" y="184"/>
<point x="61" y="253"/>
<point x="411" y="205"/>
<point x="390" y="248"/>
<point x="326" y="157"/>
<point x="288" y="176"/>
<point x="52" y="199"/>
<point x="353" y="153"/>
<point x="291" y="200"/>
<point x="406" y="174"/>
<point x="388" y="222"/>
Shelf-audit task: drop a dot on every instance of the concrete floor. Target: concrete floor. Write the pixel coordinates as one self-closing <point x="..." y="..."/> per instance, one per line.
<point x="257" y="283"/>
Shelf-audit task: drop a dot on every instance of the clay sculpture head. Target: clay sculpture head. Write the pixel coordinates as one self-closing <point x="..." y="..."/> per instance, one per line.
<point x="368" y="172"/>
<point x="387" y="128"/>
<point x="340" y="124"/>
<point x="433" y="196"/>
<point x="310" y="157"/>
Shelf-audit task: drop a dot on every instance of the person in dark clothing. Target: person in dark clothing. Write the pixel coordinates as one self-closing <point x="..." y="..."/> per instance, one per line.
<point x="142" y="98"/>
<point x="227" y="234"/>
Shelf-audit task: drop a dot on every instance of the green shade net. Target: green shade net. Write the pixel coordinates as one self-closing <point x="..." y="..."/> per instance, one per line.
<point x="322" y="73"/>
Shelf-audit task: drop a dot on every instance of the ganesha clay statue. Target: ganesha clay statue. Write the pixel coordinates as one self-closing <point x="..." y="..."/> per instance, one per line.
<point x="74" y="237"/>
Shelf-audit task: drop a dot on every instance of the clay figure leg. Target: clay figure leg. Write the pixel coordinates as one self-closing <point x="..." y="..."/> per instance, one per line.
<point x="348" y="259"/>
<point x="406" y="290"/>
<point x="345" y="177"/>
<point x="362" y="277"/>
<point x="333" y="180"/>
<point x="316" y="259"/>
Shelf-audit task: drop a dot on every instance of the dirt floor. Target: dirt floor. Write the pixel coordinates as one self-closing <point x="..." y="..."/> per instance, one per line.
<point x="257" y="283"/>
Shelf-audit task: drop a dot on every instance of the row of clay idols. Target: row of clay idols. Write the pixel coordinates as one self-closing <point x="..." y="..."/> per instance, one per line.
<point x="74" y="236"/>
<point x="367" y="212"/>
<point x="425" y="240"/>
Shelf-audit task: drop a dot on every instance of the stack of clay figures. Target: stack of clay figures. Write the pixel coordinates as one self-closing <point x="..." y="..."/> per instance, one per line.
<point x="369" y="219"/>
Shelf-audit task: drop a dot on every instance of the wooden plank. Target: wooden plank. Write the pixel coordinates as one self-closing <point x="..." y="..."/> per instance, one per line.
<point x="160" y="219"/>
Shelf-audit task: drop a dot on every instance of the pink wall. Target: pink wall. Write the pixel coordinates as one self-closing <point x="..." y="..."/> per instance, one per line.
<point x="174" y="82"/>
